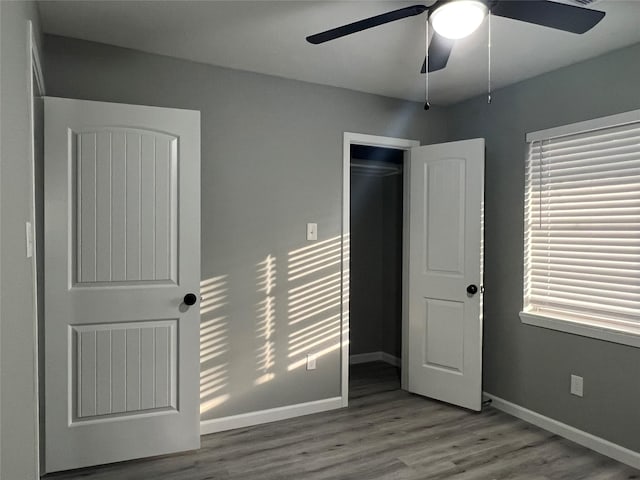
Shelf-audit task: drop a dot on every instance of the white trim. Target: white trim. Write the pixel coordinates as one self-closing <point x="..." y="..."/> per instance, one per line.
<point x="34" y="67"/>
<point x="0" y="241"/>
<point x="601" y="330"/>
<point x="586" y="126"/>
<point x="375" y="141"/>
<point x="404" y="334"/>
<point x="374" y="357"/>
<point x="344" y="280"/>
<point x="267" y="416"/>
<point x="36" y="64"/>
<point x="598" y="444"/>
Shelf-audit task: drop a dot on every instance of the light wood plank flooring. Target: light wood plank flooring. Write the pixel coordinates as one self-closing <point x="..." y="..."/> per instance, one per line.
<point x="384" y="434"/>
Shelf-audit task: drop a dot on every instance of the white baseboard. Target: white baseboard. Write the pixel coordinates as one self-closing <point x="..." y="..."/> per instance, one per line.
<point x="267" y="416"/>
<point x="598" y="444"/>
<point x="374" y="357"/>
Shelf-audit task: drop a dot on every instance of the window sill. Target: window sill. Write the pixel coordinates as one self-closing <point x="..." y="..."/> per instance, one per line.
<point x="593" y="329"/>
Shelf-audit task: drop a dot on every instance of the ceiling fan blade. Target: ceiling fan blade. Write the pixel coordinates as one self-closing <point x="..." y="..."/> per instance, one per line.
<point x="439" y="51"/>
<point x="569" y="18"/>
<point x="366" y="23"/>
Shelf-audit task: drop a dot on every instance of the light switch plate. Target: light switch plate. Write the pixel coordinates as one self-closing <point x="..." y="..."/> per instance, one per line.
<point x="311" y="361"/>
<point x="29" y="236"/>
<point x="577" y="385"/>
<point x="312" y="231"/>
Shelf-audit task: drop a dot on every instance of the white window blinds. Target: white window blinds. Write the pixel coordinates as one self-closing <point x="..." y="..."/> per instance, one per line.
<point x="582" y="239"/>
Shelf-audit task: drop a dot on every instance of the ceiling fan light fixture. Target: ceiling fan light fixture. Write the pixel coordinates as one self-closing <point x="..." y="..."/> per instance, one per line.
<point x="458" y="18"/>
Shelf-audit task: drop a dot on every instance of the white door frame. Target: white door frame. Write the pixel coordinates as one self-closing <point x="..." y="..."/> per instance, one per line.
<point x="0" y="240"/>
<point x="373" y="141"/>
<point x="34" y="69"/>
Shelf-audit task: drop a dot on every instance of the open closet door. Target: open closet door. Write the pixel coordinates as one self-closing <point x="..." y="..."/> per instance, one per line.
<point x="445" y="272"/>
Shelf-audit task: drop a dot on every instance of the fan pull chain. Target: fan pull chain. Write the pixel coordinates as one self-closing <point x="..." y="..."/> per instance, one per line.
<point x="489" y="61"/>
<point x="426" y="66"/>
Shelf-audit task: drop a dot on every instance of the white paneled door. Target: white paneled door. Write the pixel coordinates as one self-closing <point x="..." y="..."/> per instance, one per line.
<point x="445" y="272"/>
<point x="122" y="255"/>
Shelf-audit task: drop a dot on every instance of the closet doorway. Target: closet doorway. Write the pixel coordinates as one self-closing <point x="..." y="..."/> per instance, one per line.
<point x="375" y="252"/>
<point x="440" y="261"/>
<point x="376" y="260"/>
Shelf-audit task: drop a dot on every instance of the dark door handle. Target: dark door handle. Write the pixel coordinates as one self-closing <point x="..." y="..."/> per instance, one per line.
<point x="472" y="289"/>
<point x="190" y="299"/>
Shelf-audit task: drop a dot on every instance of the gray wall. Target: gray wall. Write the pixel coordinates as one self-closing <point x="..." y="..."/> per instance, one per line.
<point x="365" y="272"/>
<point x="18" y="415"/>
<point x="375" y="316"/>
<point x="527" y="365"/>
<point x="392" y="229"/>
<point x="271" y="162"/>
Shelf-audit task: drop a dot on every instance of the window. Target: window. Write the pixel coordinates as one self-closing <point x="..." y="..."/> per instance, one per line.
<point x="582" y="229"/>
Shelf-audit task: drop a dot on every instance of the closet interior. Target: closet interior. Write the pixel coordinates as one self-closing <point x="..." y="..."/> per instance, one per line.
<point x="376" y="243"/>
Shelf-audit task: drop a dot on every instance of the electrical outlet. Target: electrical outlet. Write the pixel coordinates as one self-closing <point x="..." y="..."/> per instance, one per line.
<point x="311" y="361"/>
<point x="576" y="385"/>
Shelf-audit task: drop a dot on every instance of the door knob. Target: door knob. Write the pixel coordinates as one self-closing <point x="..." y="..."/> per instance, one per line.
<point x="190" y="299"/>
<point x="472" y="289"/>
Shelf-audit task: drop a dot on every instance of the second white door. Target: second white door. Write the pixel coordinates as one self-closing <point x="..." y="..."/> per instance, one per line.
<point x="446" y="194"/>
<point x="122" y="255"/>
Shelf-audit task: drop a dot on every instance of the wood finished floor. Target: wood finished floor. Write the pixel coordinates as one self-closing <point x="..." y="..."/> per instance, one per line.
<point x="385" y="433"/>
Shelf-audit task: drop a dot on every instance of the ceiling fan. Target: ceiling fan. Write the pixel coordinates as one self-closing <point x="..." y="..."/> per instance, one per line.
<point x="454" y="19"/>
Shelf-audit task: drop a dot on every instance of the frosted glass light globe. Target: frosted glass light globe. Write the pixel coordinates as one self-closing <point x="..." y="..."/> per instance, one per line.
<point x="459" y="18"/>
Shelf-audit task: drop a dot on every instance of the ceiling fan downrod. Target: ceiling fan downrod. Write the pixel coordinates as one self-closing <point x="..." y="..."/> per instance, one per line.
<point x="489" y="58"/>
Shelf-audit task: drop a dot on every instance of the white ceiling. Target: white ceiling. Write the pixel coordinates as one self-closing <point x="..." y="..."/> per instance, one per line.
<point x="269" y="37"/>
